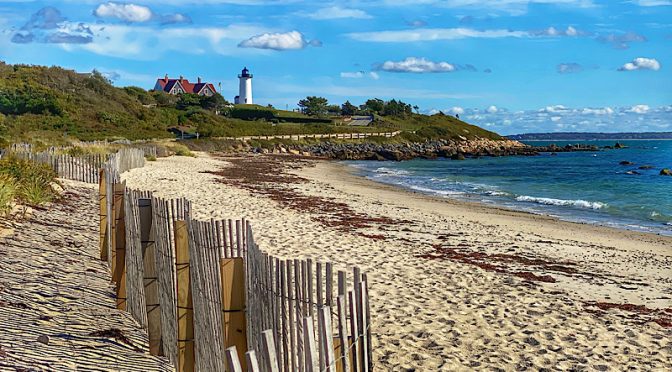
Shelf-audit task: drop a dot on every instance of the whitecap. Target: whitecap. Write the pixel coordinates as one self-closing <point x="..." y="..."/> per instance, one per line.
<point x="572" y="203"/>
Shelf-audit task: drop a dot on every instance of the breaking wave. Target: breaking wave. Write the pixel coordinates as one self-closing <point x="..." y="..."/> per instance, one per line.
<point x="572" y="203"/>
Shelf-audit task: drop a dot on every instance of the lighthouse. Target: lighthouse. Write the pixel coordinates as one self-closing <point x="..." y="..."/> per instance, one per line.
<point x="245" y="88"/>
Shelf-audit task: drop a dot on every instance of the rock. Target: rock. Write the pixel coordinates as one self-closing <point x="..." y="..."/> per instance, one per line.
<point x="294" y="152"/>
<point x="632" y="172"/>
<point x="44" y="339"/>
<point x="645" y="166"/>
<point x="458" y="156"/>
<point x="618" y="146"/>
<point x="625" y="162"/>
<point x="531" y="341"/>
<point x="666" y="172"/>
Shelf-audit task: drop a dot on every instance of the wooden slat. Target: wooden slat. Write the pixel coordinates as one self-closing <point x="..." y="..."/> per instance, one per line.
<point x="269" y="350"/>
<point x="119" y="270"/>
<point x="343" y="334"/>
<point x="233" y="304"/>
<point x="354" y="332"/>
<point x="232" y="359"/>
<point x="312" y="362"/>
<point x="102" y="202"/>
<point x="327" y="339"/>
<point x="185" y="311"/>
<point x="252" y="363"/>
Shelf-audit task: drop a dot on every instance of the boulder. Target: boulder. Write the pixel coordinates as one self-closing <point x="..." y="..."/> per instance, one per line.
<point x="625" y="162"/>
<point x="458" y="156"/>
<point x="645" y="166"/>
<point x="666" y="172"/>
<point x="618" y="146"/>
<point x="632" y="172"/>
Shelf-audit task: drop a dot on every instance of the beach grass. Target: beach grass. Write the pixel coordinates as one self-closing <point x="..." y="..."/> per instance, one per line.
<point x="25" y="181"/>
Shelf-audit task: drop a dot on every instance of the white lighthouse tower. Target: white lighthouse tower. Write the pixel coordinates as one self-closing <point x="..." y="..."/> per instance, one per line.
<point x="245" y="90"/>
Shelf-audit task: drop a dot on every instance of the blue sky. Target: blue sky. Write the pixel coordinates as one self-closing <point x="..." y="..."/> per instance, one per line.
<point x="511" y="65"/>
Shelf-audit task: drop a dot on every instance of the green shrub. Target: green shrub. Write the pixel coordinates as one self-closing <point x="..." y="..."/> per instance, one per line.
<point x="7" y="194"/>
<point x="182" y="150"/>
<point x="33" y="181"/>
<point x="150" y="157"/>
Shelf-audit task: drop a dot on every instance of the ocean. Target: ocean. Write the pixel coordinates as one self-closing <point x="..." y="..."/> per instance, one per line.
<point x="590" y="187"/>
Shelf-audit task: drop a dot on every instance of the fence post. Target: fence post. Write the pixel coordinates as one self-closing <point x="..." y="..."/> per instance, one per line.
<point x="343" y="334"/>
<point x="102" y="202"/>
<point x="185" y="306"/>
<point x="232" y="273"/>
<point x="119" y="259"/>
<point x="147" y="240"/>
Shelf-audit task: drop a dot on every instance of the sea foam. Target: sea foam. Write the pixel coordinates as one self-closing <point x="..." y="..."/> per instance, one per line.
<point x="572" y="203"/>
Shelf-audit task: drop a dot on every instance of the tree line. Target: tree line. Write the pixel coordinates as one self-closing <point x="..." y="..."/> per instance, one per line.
<point x="320" y="107"/>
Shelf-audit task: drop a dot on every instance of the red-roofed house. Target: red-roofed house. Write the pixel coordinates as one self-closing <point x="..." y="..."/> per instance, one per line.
<point x="182" y="85"/>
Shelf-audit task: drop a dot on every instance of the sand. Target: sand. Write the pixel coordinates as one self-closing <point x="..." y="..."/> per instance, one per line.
<point x="57" y="305"/>
<point x="453" y="285"/>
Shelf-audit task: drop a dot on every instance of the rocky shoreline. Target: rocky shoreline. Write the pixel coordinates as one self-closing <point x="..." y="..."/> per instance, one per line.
<point x="431" y="149"/>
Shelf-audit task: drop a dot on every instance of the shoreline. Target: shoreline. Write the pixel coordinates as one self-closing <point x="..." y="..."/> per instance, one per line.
<point x="352" y="171"/>
<point x="348" y="174"/>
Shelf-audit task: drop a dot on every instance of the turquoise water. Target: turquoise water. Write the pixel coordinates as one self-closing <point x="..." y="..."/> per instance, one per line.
<point x="589" y="187"/>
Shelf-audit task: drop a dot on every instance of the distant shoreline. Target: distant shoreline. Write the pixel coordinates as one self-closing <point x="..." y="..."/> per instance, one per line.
<point x="591" y="136"/>
<point x="595" y="140"/>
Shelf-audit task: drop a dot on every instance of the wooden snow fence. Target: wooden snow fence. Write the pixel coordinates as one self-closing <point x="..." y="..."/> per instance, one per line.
<point x="84" y="168"/>
<point x="211" y="300"/>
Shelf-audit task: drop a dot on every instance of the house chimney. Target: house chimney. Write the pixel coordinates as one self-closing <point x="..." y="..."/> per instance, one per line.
<point x="199" y="79"/>
<point x="181" y="78"/>
<point x="165" y="78"/>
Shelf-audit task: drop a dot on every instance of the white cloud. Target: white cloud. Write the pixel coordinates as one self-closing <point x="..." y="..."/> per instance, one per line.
<point x="417" y="65"/>
<point x="291" y="40"/>
<point x="336" y="12"/>
<point x="457" y="110"/>
<point x="639" y="109"/>
<point x="124" y="12"/>
<point x="513" y="7"/>
<point x="641" y="64"/>
<point x="597" y="111"/>
<point x="561" y="118"/>
<point x="492" y="109"/>
<point x="554" y="32"/>
<point x="432" y="34"/>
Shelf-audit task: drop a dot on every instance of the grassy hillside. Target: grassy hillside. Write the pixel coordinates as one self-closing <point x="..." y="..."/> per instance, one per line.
<point x="55" y="105"/>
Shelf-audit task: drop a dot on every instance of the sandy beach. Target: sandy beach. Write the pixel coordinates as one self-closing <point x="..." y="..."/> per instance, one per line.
<point x="454" y="285"/>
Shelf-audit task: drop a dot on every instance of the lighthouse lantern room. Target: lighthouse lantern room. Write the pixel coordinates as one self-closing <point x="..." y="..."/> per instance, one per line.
<point x="245" y="89"/>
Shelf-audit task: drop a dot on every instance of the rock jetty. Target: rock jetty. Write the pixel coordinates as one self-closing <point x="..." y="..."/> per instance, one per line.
<point x="443" y="148"/>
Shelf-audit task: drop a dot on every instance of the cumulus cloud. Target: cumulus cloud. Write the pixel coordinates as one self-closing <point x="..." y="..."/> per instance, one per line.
<point x="652" y="2"/>
<point x="416" y="65"/>
<point x="569" y="68"/>
<point x="456" y="110"/>
<point x="597" y="111"/>
<point x="639" y="109"/>
<point x="291" y="40"/>
<point x="492" y="109"/>
<point x="554" y="32"/>
<point x="125" y="12"/>
<point x="336" y="12"/>
<point x="641" y="64"/>
<point x="47" y="25"/>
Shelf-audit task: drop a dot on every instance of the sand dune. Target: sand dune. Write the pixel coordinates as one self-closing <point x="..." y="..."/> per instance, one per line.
<point x="454" y="286"/>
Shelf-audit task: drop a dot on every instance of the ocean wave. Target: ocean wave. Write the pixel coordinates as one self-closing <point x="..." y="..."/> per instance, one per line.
<point x="391" y="172"/>
<point x="572" y="203"/>
<point x="434" y="191"/>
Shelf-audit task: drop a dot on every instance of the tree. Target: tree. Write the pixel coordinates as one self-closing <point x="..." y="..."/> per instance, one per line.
<point x="417" y="109"/>
<point x="314" y="106"/>
<point x="374" y="105"/>
<point x="348" y="109"/>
